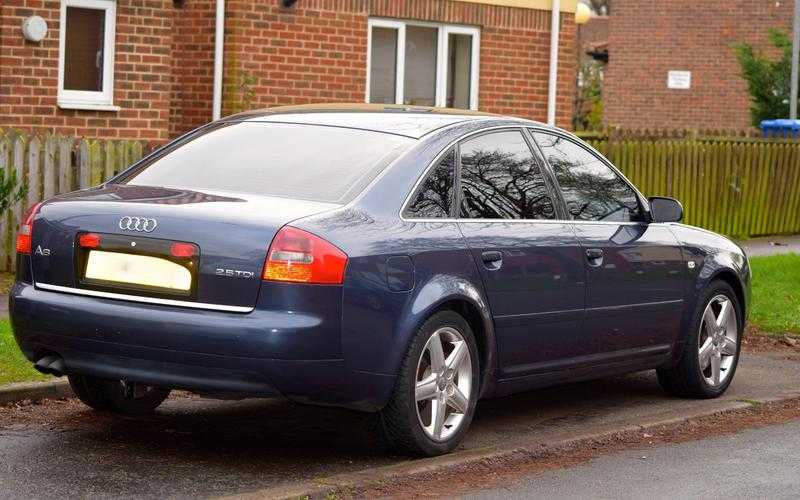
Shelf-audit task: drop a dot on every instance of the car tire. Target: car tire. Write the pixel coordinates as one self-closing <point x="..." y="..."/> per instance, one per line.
<point x="110" y="395"/>
<point x="698" y="374"/>
<point x="428" y="383"/>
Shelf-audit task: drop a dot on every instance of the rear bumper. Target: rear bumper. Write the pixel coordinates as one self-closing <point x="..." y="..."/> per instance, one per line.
<point x="264" y="353"/>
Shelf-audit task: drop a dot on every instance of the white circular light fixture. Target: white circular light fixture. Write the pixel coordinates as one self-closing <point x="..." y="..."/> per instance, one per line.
<point x="34" y="28"/>
<point x="582" y="14"/>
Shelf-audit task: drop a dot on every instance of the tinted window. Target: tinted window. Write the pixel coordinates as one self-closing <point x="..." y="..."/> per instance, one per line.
<point x="297" y="161"/>
<point x="591" y="189"/>
<point x="434" y="198"/>
<point x="500" y="179"/>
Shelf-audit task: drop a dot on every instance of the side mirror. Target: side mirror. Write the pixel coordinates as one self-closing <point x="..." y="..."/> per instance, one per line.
<point x="665" y="209"/>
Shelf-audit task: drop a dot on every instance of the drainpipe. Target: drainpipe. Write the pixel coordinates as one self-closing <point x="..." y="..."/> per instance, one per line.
<point x="219" y="40"/>
<point x="555" y="21"/>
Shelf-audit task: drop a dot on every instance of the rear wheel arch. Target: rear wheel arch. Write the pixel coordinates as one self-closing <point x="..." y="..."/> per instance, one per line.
<point x="472" y="315"/>
<point x="481" y="325"/>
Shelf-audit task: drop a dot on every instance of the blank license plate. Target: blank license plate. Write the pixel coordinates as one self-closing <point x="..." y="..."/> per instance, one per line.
<point x="141" y="270"/>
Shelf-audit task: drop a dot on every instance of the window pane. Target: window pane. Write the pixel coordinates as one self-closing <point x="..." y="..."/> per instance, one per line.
<point x="591" y="190"/>
<point x="383" y="66"/>
<point x="420" y="71"/>
<point x="459" y="66"/>
<point x="500" y="179"/>
<point x="83" y="49"/>
<point x="435" y="196"/>
<point x="295" y="161"/>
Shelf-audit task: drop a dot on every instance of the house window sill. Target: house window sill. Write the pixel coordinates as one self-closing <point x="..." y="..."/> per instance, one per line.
<point x="88" y="106"/>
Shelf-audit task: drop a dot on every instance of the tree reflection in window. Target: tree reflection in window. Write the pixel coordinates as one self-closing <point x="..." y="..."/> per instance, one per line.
<point x="500" y="179"/>
<point x="434" y="198"/>
<point x="592" y="191"/>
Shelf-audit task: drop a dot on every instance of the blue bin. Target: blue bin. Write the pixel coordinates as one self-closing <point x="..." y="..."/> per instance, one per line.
<point x="781" y="128"/>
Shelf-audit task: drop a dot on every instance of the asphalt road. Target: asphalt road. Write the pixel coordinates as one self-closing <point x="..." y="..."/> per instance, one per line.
<point x="194" y="446"/>
<point x="759" y="463"/>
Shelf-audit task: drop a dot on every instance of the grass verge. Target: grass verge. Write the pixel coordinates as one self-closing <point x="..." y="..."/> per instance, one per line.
<point x="776" y="293"/>
<point x="13" y="365"/>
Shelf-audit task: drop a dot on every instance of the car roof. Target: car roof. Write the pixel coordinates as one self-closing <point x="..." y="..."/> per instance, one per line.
<point x="409" y="121"/>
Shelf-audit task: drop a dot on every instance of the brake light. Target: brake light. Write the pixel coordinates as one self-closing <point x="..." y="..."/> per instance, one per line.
<point x="89" y="240"/>
<point x="25" y="234"/>
<point x="301" y="257"/>
<point x="183" y="250"/>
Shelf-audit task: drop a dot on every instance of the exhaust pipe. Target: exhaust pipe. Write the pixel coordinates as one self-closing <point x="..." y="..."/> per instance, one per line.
<point x="51" y="365"/>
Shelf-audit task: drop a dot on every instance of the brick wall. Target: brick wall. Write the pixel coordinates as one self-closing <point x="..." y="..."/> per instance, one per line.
<point x="684" y="35"/>
<point x="317" y="52"/>
<point x="29" y="73"/>
<point x="313" y="52"/>
<point x="192" y="65"/>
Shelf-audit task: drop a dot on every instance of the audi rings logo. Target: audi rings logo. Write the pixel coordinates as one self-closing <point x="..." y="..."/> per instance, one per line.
<point x="141" y="224"/>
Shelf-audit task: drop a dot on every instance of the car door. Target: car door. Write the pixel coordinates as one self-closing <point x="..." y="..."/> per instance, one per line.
<point x="531" y="263"/>
<point x="635" y="270"/>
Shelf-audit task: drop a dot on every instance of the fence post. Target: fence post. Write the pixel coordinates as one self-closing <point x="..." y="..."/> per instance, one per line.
<point x="84" y="165"/>
<point x="34" y="171"/>
<point x="49" y="175"/>
<point x="5" y="226"/>
<point x="65" y="171"/>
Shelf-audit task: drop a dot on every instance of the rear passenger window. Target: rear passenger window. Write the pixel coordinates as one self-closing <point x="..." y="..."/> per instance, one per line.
<point x="501" y="179"/>
<point x="434" y="197"/>
<point x="592" y="190"/>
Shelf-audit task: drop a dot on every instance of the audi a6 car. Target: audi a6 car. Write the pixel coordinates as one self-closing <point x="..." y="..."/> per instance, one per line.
<point x="402" y="261"/>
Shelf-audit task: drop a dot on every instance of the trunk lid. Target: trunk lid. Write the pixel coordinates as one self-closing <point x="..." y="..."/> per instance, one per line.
<point x="231" y="231"/>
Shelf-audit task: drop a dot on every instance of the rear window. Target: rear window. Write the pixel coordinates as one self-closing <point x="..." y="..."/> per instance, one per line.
<point x="313" y="162"/>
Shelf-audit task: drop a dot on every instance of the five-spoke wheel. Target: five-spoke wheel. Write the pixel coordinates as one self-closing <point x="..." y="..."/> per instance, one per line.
<point x="711" y="346"/>
<point x="718" y="339"/>
<point x="444" y="383"/>
<point x="436" y="389"/>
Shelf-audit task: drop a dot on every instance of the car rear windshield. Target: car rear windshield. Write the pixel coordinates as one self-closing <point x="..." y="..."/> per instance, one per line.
<point x="313" y="162"/>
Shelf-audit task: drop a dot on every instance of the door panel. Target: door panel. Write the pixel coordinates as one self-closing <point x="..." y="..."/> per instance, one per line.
<point x="635" y="293"/>
<point x="635" y="271"/>
<point x="536" y="292"/>
<point x="531" y="264"/>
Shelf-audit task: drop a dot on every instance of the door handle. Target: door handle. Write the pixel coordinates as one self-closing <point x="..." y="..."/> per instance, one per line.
<point x="492" y="260"/>
<point x="594" y="256"/>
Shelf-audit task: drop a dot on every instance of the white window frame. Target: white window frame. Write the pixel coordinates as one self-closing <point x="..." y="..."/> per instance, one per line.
<point x="441" y="57"/>
<point x="84" y="99"/>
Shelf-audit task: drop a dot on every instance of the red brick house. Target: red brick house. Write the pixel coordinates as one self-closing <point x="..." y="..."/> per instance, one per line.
<point x="146" y="68"/>
<point x="671" y="64"/>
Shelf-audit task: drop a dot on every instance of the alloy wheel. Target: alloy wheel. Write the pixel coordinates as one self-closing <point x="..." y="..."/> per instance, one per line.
<point x="717" y="340"/>
<point x="443" y="383"/>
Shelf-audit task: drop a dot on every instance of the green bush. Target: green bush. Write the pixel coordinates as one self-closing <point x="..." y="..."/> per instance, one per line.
<point x="768" y="80"/>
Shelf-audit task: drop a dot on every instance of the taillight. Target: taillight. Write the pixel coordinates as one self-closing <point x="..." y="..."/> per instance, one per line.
<point x="301" y="257"/>
<point x="89" y="240"/>
<point x="25" y="234"/>
<point x="183" y="250"/>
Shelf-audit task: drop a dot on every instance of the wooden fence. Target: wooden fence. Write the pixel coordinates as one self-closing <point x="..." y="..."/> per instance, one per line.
<point x="54" y="164"/>
<point x="738" y="188"/>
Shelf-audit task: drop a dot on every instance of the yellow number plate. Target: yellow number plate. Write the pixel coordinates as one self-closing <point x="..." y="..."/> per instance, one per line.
<point x="137" y="270"/>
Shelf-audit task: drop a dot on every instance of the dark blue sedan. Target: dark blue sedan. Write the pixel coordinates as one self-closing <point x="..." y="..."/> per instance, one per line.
<point x="403" y="261"/>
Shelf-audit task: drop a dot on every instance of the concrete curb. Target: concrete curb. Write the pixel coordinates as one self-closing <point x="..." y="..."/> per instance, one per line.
<point x="324" y="487"/>
<point x="34" y="391"/>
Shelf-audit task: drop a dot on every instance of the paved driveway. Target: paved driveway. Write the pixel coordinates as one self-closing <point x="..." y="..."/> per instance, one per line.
<point x="757" y="463"/>
<point x="195" y="446"/>
<point x="771" y="245"/>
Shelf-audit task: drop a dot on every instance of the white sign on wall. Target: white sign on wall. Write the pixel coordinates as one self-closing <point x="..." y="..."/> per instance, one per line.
<point x="681" y="80"/>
